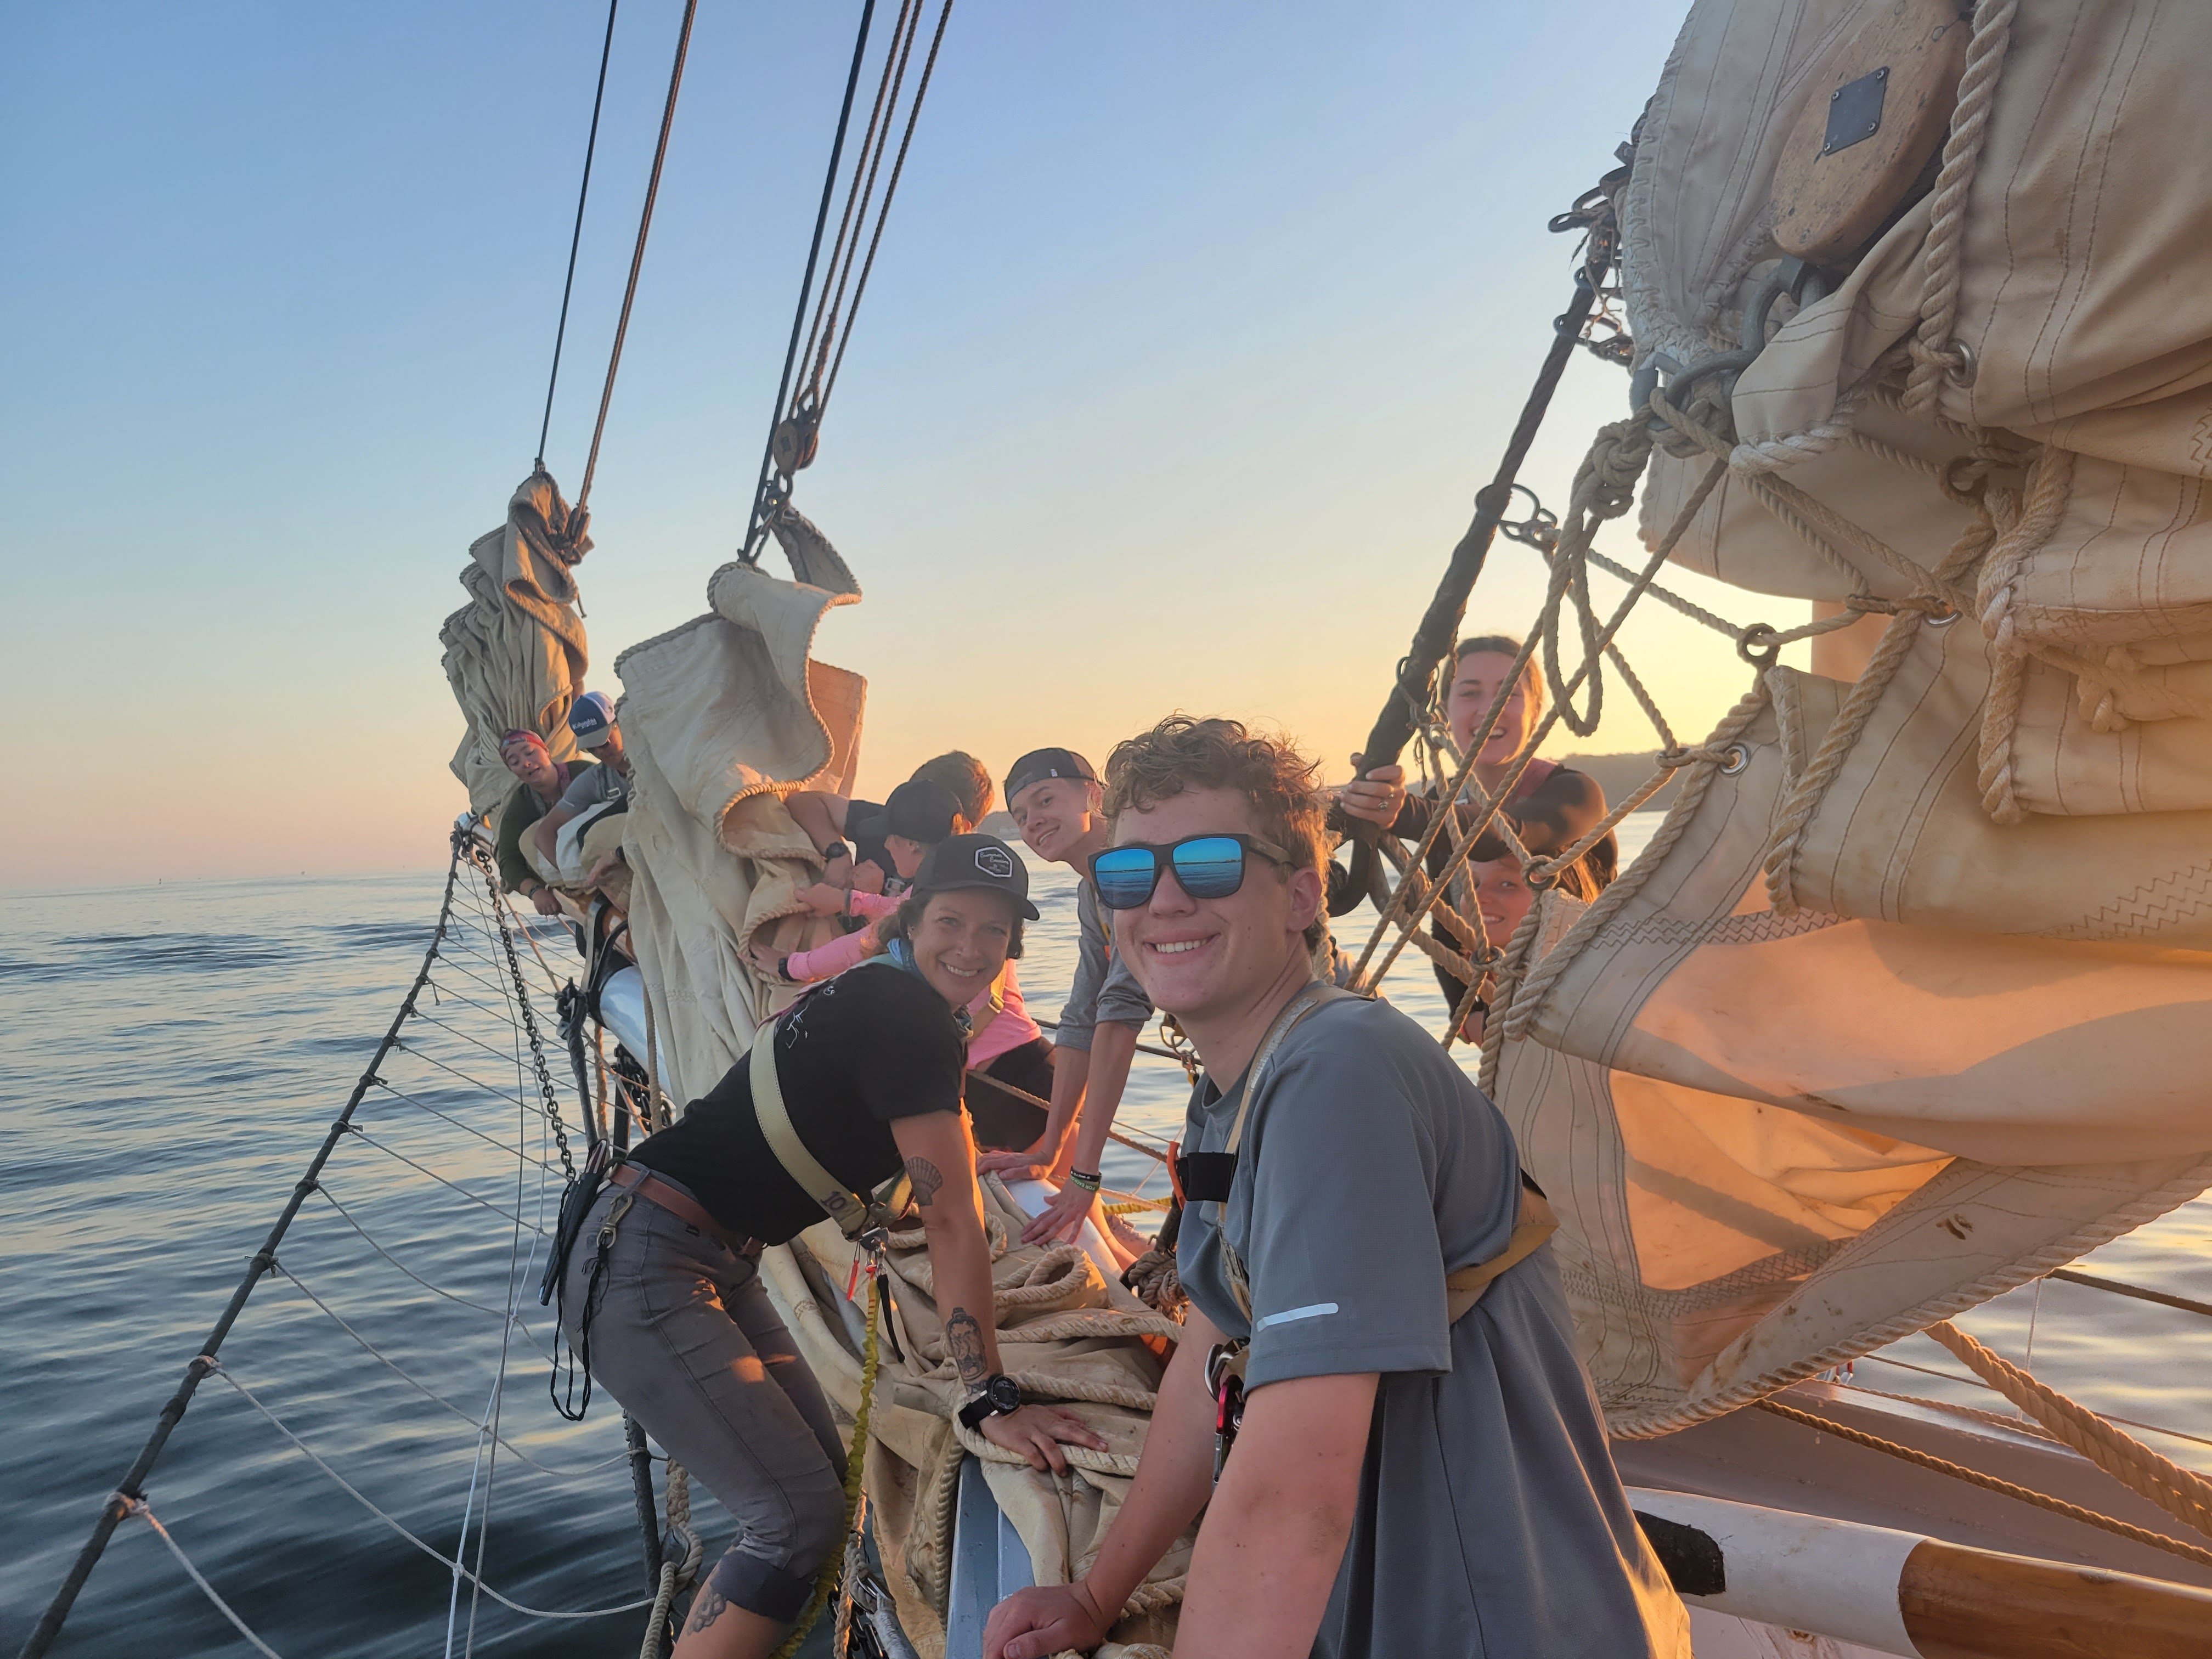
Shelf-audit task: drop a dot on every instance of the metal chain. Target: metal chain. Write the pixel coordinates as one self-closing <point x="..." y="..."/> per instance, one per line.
<point x="489" y="871"/>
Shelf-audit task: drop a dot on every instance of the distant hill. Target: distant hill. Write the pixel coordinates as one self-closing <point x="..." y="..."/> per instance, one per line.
<point x="1619" y="775"/>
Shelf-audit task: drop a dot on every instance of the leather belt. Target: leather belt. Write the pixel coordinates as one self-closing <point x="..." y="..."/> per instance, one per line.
<point x="681" y="1204"/>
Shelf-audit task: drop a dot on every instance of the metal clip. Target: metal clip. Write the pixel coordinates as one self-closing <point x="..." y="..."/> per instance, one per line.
<point x="616" y="1211"/>
<point x="1224" y="1380"/>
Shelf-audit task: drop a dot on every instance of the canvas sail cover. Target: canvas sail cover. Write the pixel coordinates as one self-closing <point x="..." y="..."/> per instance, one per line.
<point x="1907" y="1002"/>
<point x="515" y="654"/>
<point x="2064" y="246"/>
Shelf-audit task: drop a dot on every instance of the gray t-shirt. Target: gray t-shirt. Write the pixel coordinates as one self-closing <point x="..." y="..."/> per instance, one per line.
<point x="1491" y="1522"/>
<point x="1104" y="987"/>
<point x="590" y="788"/>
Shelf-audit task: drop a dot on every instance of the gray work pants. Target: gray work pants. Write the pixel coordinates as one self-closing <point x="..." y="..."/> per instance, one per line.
<point x="683" y="1334"/>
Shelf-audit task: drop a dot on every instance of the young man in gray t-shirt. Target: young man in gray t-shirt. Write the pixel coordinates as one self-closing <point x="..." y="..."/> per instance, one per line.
<point x="1403" y="1482"/>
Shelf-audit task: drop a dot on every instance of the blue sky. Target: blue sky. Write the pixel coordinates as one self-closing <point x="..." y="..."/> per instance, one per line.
<point x="1195" y="331"/>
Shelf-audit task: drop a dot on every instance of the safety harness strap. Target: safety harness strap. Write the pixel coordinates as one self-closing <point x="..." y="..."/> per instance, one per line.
<point x="847" y="1208"/>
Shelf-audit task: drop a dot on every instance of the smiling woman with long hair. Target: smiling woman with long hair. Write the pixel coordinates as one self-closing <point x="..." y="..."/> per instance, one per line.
<point x="662" y="1296"/>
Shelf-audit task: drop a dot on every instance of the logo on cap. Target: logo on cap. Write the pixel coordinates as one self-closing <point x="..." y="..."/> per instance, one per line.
<point x="995" y="862"/>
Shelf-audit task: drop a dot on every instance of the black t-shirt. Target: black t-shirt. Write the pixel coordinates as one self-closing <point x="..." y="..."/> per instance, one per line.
<point x="874" y="1044"/>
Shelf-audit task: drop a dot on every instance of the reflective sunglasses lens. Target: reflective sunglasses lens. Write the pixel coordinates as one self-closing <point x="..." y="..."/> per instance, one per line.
<point x="1211" y="867"/>
<point x="1124" y="876"/>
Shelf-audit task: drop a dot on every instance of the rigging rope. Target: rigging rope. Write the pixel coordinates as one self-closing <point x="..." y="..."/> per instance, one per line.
<point x="795" y="424"/>
<point x="131" y="1488"/>
<point x="576" y="236"/>
<point x="637" y="256"/>
<point x="748" y="548"/>
<point x="1973" y="1477"/>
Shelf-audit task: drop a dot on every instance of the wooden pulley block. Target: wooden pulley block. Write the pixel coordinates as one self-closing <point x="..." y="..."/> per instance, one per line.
<point x="1868" y="135"/>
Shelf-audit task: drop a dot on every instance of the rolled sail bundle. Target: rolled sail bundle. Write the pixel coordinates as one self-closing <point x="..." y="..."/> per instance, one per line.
<point x="722" y="716"/>
<point x="1068" y="1336"/>
<point x="515" y="654"/>
<point x="2021" y="349"/>
<point x="1907" y="1001"/>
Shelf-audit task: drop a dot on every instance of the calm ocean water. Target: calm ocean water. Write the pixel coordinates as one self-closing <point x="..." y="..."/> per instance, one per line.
<point x="175" y="1054"/>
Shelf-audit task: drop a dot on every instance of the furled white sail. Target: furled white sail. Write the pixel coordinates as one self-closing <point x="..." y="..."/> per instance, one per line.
<point x="515" y="654"/>
<point x="1908" y="1001"/>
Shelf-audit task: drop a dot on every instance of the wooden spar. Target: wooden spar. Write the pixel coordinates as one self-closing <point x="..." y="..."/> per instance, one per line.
<point x="1961" y="1604"/>
<point x="1901" y="1593"/>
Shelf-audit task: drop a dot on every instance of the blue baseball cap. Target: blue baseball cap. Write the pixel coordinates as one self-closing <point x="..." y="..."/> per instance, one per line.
<point x="590" y="718"/>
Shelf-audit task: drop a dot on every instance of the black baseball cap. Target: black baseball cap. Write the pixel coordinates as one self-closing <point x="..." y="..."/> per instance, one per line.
<point x="976" y="861"/>
<point x="1042" y="764"/>
<point x="921" y="810"/>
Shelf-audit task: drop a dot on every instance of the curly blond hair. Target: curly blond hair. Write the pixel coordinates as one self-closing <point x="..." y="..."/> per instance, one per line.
<point x="1185" y="752"/>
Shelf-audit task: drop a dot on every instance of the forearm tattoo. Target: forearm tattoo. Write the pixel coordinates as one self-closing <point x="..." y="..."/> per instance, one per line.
<point x="707" y="1607"/>
<point x="963" y="1340"/>
<point x="927" y="1177"/>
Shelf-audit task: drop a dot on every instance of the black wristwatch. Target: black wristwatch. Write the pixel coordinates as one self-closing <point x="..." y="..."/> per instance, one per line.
<point x="835" y="850"/>
<point x="1001" y="1397"/>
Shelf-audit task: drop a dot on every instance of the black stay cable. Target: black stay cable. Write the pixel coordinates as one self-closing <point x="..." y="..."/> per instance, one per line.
<point x="576" y="236"/>
<point x="747" y="551"/>
<point x="840" y="266"/>
<point x="831" y="304"/>
<point x="796" y="424"/>
<point x="637" y="255"/>
<point x="913" y="115"/>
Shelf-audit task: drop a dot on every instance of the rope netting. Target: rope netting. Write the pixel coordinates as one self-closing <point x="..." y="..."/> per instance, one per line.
<point x="456" y="1110"/>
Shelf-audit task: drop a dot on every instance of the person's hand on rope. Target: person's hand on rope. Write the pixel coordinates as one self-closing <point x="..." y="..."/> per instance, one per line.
<point x="1376" y="797"/>
<point x="1037" y="1433"/>
<point x="1033" y="1164"/>
<point x="1061" y="1218"/>
<point x="1049" y="1618"/>
<point x="544" y="900"/>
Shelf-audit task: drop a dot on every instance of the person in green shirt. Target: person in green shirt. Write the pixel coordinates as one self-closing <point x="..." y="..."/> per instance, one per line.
<point x="541" y="780"/>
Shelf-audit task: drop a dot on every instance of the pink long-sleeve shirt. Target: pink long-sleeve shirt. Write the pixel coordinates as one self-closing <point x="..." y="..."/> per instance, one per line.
<point x="1008" y="1031"/>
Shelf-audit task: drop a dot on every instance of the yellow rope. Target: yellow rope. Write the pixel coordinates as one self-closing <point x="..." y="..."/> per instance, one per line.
<point x="2185" y="1496"/>
<point x="1974" y="1477"/>
<point x="826" y="1582"/>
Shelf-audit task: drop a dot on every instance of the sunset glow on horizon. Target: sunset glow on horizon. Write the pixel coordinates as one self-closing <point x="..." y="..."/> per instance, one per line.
<point x="1191" y="338"/>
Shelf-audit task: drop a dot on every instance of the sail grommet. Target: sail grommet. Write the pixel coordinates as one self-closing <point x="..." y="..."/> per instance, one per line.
<point x="1734" y="758"/>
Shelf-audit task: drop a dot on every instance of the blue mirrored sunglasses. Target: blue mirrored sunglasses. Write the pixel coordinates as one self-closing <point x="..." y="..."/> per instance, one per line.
<point x="1205" y="867"/>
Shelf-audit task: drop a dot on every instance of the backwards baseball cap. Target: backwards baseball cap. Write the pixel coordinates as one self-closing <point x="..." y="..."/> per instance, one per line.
<point x="921" y="810"/>
<point x="589" y="718"/>
<point x="1042" y="764"/>
<point x="976" y="861"/>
